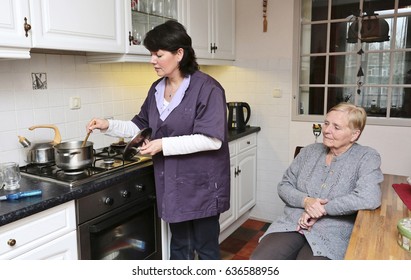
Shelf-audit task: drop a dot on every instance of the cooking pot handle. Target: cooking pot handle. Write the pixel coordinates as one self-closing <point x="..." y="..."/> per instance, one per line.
<point x="248" y="112"/>
<point x="67" y="154"/>
<point x="57" y="135"/>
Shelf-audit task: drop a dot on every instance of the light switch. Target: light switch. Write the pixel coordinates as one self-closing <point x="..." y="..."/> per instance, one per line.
<point x="75" y="103"/>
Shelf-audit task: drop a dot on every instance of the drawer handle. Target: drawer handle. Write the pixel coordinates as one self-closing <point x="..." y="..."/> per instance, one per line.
<point x="11" y="242"/>
<point x="248" y="142"/>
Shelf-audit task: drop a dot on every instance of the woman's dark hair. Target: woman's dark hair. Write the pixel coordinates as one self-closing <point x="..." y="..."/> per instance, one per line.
<point x="171" y="36"/>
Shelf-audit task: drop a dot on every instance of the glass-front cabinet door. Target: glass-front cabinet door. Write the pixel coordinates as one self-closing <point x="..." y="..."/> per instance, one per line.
<point x="144" y="16"/>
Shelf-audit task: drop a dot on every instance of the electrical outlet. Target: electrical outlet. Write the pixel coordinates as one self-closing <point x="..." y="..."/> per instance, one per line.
<point x="75" y="103"/>
<point x="276" y="93"/>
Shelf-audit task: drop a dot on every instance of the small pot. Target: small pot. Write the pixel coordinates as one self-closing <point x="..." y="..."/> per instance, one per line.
<point x="72" y="156"/>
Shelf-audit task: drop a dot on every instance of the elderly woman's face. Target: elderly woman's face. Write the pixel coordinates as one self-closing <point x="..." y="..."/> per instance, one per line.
<point x="337" y="134"/>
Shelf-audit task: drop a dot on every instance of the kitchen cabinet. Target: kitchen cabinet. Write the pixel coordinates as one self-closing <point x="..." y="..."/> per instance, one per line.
<point x="50" y="234"/>
<point x="14" y="43"/>
<point x="211" y="25"/>
<point x="243" y="166"/>
<point x="140" y="17"/>
<point x="90" y="26"/>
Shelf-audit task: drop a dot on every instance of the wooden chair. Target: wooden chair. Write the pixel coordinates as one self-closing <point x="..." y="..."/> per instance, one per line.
<point x="297" y="150"/>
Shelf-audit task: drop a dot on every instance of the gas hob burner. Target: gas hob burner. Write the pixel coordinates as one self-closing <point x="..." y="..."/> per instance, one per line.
<point x="73" y="172"/>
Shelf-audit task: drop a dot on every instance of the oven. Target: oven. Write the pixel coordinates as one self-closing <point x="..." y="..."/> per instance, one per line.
<point x="119" y="220"/>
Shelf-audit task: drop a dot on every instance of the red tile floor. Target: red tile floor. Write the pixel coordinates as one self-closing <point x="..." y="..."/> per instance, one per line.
<point x="241" y="243"/>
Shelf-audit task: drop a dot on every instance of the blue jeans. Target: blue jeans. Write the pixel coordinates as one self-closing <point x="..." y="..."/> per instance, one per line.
<point x="195" y="237"/>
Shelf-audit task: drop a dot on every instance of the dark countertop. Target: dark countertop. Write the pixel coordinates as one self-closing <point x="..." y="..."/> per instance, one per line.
<point x="54" y="194"/>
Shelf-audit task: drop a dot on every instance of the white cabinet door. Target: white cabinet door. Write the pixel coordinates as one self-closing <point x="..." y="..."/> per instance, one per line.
<point x="62" y="248"/>
<point x="247" y="162"/>
<point x="224" y="29"/>
<point x="229" y="216"/>
<point x="78" y="25"/>
<point x="14" y="43"/>
<point x="211" y="25"/>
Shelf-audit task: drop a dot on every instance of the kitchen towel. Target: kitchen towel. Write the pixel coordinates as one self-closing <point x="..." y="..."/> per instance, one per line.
<point x="404" y="192"/>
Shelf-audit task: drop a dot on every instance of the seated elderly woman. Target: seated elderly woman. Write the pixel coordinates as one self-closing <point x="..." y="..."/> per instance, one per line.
<point x="323" y="188"/>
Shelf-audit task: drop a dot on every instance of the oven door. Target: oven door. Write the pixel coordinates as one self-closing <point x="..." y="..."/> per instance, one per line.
<point x="131" y="232"/>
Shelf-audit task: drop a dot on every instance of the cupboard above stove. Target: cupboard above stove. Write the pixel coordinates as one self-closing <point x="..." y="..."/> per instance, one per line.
<point x="112" y="30"/>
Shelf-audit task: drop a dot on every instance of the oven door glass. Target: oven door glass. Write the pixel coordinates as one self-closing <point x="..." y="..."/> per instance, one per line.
<point x="128" y="235"/>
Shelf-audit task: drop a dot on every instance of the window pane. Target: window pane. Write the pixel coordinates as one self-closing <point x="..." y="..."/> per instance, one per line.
<point x="312" y="100"/>
<point x="312" y="70"/>
<point x="404" y="6"/>
<point x="338" y="38"/>
<point x="401" y="103"/>
<point x="374" y="101"/>
<point x="403" y="36"/>
<point x="343" y="69"/>
<point x="314" y="38"/>
<point x="313" y="10"/>
<point x="402" y="68"/>
<point x="344" y="8"/>
<point x="337" y="95"/>
<point x="376" y="67"/>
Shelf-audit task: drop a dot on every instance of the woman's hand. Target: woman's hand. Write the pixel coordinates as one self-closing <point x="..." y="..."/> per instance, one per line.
<point x="151" y="147"/>
<point x="315" y="207"/>
<point x="101" y="124"/>
<point x="305" y="222"/>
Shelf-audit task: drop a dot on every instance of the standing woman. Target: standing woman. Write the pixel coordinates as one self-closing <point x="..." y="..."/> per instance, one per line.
<point x="186" y="110"/>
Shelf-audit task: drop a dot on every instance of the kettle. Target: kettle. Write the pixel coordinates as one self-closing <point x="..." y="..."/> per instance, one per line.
<point x="239" y="114"/>
<point x="43" y="152"/>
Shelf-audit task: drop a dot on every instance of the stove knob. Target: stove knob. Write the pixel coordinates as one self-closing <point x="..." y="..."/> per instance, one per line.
<point x="139" y="187"/>
<point x="108" y="201"/>
<point x="125" y="194"/>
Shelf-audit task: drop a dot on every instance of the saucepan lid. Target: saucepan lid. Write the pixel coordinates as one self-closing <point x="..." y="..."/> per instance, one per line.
<point x="133" y="146"/>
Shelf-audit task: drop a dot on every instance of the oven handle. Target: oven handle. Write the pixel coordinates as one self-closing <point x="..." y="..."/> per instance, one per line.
<point x="127" y="214"/>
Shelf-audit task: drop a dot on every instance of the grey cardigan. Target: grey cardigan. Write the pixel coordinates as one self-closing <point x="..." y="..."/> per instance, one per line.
<point x="351" y="183"/>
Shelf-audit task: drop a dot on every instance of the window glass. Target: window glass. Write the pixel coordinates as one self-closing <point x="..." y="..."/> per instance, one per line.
<point x="314" y="38"/>
<point x="312" y="100"/>
<point x="314" y="10"/>
<point x="341" y="9"/>
<point x="342" y="69"/>
<point x="339" y="62"/>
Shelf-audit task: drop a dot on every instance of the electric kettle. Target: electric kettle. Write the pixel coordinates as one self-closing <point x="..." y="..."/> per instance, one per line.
<point x="238" y="115"/>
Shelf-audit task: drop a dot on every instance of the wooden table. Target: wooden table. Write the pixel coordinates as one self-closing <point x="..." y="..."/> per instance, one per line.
<point x="375" y="232"/>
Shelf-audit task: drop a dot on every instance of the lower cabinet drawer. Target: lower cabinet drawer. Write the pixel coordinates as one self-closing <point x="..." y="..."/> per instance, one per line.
<point x="27" y="233"/>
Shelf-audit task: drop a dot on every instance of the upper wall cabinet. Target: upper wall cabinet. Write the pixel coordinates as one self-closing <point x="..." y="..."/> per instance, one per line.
<point x="76" y="25"/>
<point x="14" y="43"/>
<point x="144" y="15"/>
<point x="211" y="25"/>
<point x="140" y="17"/>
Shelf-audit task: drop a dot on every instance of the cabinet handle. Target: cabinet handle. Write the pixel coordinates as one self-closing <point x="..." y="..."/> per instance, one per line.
<point x="213" y="48"/>
<point x="130" y="38"/>
<point x="27" y="27"/>
<point x="248" y="142"/>
<point x="11" y="242"/>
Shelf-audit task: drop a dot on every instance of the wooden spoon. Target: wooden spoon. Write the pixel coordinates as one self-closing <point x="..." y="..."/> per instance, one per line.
<point x="85" y="139"/>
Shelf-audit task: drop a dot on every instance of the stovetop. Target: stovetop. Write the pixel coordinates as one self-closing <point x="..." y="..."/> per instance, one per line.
<point x="106" y="161"/>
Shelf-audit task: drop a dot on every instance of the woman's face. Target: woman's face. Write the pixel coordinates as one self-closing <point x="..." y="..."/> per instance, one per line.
<point x="166" y="63"/>
<point x="337" y="135"/>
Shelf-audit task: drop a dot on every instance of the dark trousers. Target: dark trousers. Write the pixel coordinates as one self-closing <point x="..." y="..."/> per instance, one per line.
<point x="284" y="246"/>
<point x="195" y="237"/>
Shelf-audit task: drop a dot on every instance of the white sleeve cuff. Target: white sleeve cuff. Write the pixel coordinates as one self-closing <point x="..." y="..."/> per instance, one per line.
<point x="118" y="128"/>
<point x="187" y="144"/>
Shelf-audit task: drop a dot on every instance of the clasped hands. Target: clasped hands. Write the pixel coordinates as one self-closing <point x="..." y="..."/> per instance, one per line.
<point x="313" y="210"/>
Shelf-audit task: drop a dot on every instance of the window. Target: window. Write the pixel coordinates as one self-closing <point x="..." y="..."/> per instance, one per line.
<point x="332" y="69"/>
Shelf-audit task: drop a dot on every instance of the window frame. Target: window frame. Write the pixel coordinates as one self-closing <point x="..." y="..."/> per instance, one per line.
<point x="297" y="34"/>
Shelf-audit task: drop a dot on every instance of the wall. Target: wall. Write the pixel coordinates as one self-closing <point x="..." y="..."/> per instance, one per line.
<point x="264" y="63"/>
